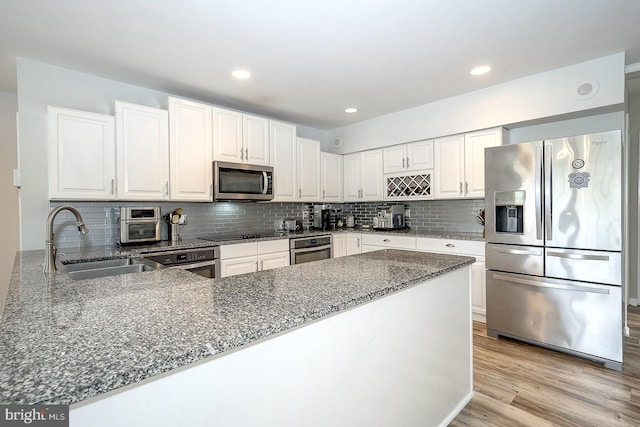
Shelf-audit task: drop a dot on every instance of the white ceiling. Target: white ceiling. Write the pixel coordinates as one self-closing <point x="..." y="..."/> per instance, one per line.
<point x="310" y="59"/>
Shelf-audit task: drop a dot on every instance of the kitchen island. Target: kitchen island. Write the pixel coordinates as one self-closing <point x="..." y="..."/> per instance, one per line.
<point x="382" y="338"/>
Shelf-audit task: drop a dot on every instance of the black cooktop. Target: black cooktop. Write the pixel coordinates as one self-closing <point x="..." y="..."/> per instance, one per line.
<point x="220" y="237"/>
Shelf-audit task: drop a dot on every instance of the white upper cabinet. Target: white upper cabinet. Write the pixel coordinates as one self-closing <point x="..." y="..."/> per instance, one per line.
<point x="142" y="147"/>
<point x="227" y="136"/>
<point x="372" y="181"/>
<point x="82" y="153"/>
<point x="240" y="138"/>
<point x="255" y="140"/>
<point x="283" y="156"/>
<point x="449" y="171"/>
<point x="191" y="150"/>
<point x="474" y="145"/>
<point x="363" y="178"/>
<point x="308" y="165"/>
<point x="331" y="177"/>
<point x="408" y="157"/>
<point x="459" y="169"/>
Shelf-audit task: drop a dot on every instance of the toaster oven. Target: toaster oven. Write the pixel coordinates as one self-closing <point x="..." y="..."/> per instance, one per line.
<point x="139" y="225"/>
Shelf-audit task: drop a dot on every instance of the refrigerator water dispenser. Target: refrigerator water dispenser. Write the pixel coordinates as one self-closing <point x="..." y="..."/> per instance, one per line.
<point x="509" y="212"/>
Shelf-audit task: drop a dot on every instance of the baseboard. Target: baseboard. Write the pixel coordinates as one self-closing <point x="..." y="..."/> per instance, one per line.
<point x="457" y="409"/>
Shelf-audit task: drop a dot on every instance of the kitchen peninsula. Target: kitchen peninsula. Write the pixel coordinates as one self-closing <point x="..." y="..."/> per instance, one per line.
<point x="382" y="338"/>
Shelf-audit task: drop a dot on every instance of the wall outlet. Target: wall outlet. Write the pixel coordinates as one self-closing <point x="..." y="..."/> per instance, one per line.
<point x="305" y="214"/>
<point x="407" y="213"/>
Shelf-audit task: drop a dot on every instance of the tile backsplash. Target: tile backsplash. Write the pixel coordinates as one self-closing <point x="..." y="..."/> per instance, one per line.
<point x="224" y="217"/>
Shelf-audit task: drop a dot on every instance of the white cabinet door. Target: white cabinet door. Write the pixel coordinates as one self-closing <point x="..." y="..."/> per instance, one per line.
<point x="339" y="245"/>
<point x="372" y="181"/>
<point x="474" y="145"/>
<point x="235" y="266"/>
<point x="352" y="172"/>
<point x="419" y="155"/>
<point x="82" y="155"/>
<point x="478" y="288"/>
<point x="255" y="140"/>
<point x="308" y="153"/>
<point x="227" y="136"/>
<point x="331" y="177"/>
<point x="354" y="243"/>
<point x="395" y="158"/>
<point x="283" y="156"/>
<point x="191" y="150"/>
<point x="142" y="147"/>
<point x="449" y="167"/>
<point x="271" y="261"/>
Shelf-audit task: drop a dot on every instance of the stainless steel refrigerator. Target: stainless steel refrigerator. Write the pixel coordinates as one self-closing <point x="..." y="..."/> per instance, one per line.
<point x="554" y="244"/>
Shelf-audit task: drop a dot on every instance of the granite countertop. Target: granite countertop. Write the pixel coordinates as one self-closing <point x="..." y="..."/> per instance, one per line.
<point x="109" y="252"/>
<point x="62" y="341"/>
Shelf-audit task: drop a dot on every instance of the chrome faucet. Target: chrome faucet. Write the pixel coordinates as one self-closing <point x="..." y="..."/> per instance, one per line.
<point x="49" y="246"/>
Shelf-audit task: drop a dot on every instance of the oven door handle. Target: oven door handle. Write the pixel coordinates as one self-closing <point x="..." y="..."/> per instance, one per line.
<point x="265" y="182"/>
<point x="194" y="265"/>
<point x="313" y="249"/>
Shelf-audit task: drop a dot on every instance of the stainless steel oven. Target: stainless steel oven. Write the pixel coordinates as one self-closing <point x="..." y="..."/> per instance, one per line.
<point x="202" y="261"/>
<point x="307" y="249"/>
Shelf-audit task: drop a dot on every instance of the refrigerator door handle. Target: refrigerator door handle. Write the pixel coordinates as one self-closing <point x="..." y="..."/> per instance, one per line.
<point x="517" y="251"/>
<point x="538" y="193"/>
<point x="548" y="194"/>
<point x="551" y="285"/>
<point x="579" y="256"/>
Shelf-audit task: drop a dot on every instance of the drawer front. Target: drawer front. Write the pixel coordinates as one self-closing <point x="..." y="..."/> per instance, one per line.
<point x="588" y="266"/>
<point x="389" y="241"/>
<point x="515" y="259"/>
<point x="238" y="250"/>
<point x="452" y="246"/>
<point x="271" y="246"/>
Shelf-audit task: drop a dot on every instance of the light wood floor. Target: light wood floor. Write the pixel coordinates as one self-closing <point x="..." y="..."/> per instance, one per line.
<point x="517" y="384"/>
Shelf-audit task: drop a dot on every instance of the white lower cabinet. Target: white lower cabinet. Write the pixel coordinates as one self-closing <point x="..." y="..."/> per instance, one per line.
<point x="250" y="257"/>
<point x="235" y="266"/>
<point x="472" y="248"/>
<point x="346" y="244"/>
<point x="354" y="243"/>
<point x="376" y="242"/>
<point x="339" y="245"/>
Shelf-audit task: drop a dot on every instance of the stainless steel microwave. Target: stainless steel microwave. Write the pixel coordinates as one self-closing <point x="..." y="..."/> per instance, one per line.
<point x="239" y="181"/>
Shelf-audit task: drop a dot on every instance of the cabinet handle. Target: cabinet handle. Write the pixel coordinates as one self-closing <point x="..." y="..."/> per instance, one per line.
<point x="323" y="194"/>
<point x="407" y="163"/>
<point x="241" y="154"/>
<point x="257" y="266"/>
<point x="450" y="245"/>
<point x="461" y="187"/>
<point x="113" y="186"/>
<point x="300" y="193"/>
<point x="358" y="240"/>
<point x="403" y="163"/>
<point x="211" y="189"/>
<point x="246" y="154"/>
<point x="386" y="240"/>
<point x="166" y="188"/>
<point x="466" y="187"/>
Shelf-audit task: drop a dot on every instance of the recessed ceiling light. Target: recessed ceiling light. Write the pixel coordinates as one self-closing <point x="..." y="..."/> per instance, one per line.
<point x="350" y="110"/>
<point x="241" y="74"/>
<point x="483" y="69"/>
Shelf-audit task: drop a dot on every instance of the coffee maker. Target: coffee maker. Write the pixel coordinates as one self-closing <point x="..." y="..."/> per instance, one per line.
<point x="389" y="217"/>
<point x="325" y="217"/>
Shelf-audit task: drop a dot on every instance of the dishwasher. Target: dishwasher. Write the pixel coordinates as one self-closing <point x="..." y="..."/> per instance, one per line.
<point x="204" y="262"/>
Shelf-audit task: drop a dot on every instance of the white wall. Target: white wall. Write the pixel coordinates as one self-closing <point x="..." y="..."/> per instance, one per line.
<point x="634" y="159"/>
<point x="8" y="193"/>
<point x="531" y="98"/>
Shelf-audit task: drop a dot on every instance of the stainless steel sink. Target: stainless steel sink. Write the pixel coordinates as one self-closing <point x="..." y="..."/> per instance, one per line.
<point x="109" y="267"/>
